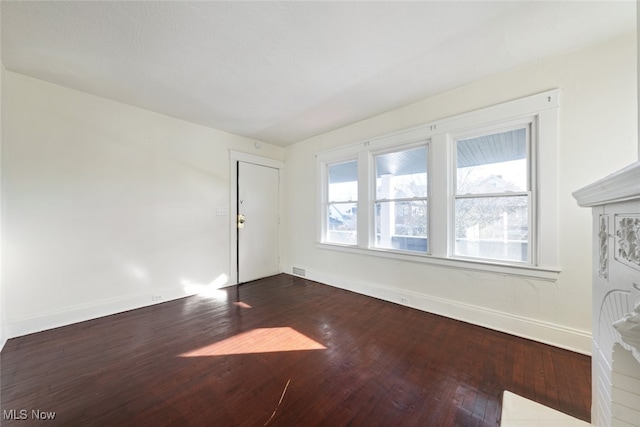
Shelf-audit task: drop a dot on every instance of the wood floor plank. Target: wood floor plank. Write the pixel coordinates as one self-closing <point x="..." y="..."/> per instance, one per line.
<point x="283" y="351"/>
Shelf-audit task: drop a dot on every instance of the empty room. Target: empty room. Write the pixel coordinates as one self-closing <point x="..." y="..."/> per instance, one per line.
<point x="294" y="213"/>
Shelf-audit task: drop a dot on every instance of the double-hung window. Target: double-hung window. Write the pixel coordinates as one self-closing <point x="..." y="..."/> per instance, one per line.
<point x="341" y="207"/>
<point x="493" y="196"/>
<point x="400" y="203"/>
<point x="477" y="190"/>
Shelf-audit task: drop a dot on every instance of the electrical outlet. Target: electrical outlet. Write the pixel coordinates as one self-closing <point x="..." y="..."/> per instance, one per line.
<point x="156" y="297"/>
<point x="404" y="300"/>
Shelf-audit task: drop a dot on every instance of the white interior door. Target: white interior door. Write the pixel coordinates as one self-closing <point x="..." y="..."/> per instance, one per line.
<point x="258" y="204"/>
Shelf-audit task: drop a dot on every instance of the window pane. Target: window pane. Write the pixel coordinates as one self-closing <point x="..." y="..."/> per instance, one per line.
<point x="493" y="227"/>
<point x="492" y="164"/>
<point x="342" y="223"/>
<point x="402" y="225"/>
<point x="402" y="174"/>
<point x="343" y="182"/>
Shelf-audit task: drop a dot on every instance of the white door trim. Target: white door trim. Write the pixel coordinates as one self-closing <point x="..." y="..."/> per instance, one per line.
<point x="234" y="158"/>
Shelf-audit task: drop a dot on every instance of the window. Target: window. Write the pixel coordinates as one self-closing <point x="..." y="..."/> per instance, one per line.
<point x="400" y="203"/>
<point x="476" y="191"/>
<point x="341" y="207"/>
<point x="492" y="196"/>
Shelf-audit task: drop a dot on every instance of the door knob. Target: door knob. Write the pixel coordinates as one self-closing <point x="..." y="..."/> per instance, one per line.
<point x="240" y="221"/>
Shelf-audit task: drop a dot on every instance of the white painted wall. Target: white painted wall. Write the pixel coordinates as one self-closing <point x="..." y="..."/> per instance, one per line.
<point x="3" y="320"/>
<point x="107" y="205"/>
<point x="598" y="135"/>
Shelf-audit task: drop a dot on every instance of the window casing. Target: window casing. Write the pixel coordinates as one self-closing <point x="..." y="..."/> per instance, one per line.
<point x="341" y="206"/>
<point x="512" y="149"/>
<point x="494" y="195"/>
<point x="400" y="204"/>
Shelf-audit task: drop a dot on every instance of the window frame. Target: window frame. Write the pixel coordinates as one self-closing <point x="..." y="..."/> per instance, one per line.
<point x="540" y="110"/>
<point x="325" y="202"/>
<point x="374" y="199"/>
<point x="529" y="124"/>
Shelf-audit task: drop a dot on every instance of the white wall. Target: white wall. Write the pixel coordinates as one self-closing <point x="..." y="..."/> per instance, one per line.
<point x="3" y="321"/>
<point x="598" y="135"/>
<point x="107" y="205"/>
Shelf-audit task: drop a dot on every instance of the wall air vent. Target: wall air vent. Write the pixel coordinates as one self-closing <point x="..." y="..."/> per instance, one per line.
<point x="299" y="271"/>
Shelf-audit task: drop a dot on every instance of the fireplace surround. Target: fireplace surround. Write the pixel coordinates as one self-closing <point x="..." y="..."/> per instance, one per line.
<point x="615" y="204"/>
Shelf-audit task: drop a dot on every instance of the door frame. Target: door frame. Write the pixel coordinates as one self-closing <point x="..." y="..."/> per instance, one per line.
<point x="234" y="158"/>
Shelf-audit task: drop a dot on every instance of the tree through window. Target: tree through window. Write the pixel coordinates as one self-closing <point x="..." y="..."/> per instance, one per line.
<point x="401" y="200"/>
<point x="492" y="197"/>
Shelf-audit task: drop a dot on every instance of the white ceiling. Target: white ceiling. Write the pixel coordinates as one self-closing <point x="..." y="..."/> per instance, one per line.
<point x="281" y="72"/>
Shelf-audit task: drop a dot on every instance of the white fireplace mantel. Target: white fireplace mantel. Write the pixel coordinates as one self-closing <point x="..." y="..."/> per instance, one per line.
<point x="615" y="204"/>
<point x="621" y="186"/>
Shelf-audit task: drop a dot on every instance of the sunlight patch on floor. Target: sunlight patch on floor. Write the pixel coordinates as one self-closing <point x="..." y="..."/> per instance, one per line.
<point x="211" y="290"/>
<point x="520" y="412"/>
<point x="261" y="340"/>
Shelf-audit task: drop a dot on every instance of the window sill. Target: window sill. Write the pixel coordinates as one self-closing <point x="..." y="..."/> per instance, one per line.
<point x="527" y="271"/>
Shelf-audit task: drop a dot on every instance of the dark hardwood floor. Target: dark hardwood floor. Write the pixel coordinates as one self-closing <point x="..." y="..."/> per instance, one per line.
<point x="314" y="354"/>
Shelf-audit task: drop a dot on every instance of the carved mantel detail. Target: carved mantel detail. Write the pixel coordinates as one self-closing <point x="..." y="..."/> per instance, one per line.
<point x="603" y="238"/>
<point x="628" y="240"/>
<point x="629" y="329"/>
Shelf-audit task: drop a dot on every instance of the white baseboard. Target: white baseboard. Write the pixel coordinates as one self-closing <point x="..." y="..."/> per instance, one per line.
<point x="572" y="339"/>
<point x="548" y="333"/>
<point x="81" y="313"/>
